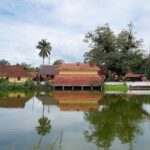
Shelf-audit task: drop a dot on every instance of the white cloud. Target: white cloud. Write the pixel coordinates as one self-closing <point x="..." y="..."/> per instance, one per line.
<point x="64" y="24"/>
<point x="19" y="41"/>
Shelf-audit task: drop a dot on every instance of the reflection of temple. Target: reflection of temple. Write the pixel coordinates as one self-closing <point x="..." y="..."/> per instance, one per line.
<point x="77" y="100"/>
<point x="47" y="100"/>
<point x="14" y="100"/>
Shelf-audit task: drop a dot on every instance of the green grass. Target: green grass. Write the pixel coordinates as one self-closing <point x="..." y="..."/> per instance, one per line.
<point x="122" y="87"/>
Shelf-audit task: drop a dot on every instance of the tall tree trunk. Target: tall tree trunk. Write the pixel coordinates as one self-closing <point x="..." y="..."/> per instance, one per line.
<point x="49" y="59"/>
<point x="43" y="61"/>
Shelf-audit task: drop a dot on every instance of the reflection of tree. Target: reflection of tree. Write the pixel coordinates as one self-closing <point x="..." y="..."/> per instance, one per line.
<point x="120" y="118"/>
<point x="43" y="128"/>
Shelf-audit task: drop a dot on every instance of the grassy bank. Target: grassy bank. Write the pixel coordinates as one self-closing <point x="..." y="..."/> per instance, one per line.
<point x="122" y="87"/>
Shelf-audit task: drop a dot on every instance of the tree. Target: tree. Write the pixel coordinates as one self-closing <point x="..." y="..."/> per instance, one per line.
<point x="120" y="54"/>
<point x="45" y="49"/>
<point x="28" y="67"/>
<point x="58" y="62"/>
<point x="127" y="41"/>
<point x="4" y="62"/>
<point x="102" y="41"/>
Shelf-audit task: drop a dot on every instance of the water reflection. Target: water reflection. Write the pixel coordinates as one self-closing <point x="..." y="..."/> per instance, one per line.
<point x="77" y="100"/>
<point x="120" y="118"/>
<point x="14" y="99"/>
<point x="73" y="120"/>
<point x="42" y="129"/>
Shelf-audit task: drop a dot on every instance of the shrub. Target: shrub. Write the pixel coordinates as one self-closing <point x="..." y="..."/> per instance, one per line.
<point x="48" y="84"/>
<point x="29" y="84"/>
<point x="2" y="80"/>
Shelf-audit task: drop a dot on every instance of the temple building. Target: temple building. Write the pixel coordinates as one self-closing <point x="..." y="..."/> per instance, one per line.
<point x="78" y="76"/>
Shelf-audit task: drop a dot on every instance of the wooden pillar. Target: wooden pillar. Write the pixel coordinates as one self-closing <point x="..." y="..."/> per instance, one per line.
<point x="63" y="88"/>
<point x="72" y="88"/>
<point x="91" y="88"/>
<point x="82" y="88"/>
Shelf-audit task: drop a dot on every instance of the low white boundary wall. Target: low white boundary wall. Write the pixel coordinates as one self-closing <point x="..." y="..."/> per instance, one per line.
<point x="129" y="83"/>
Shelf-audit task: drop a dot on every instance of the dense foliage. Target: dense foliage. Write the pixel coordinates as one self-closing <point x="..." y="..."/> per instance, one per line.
<point x="4" y="62"/>
<point x="120" y="53"/>
<point x="58" y="62"/>
<point x="5" y="85"/>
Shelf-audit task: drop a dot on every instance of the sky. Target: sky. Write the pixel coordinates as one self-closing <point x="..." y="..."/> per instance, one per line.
<point x="64" y="24"/>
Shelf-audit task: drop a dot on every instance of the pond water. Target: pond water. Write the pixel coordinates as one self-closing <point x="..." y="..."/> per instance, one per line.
<point x="79" y="120"/>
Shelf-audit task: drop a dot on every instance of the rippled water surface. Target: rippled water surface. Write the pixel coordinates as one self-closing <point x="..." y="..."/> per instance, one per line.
<point x="79" y="120"/>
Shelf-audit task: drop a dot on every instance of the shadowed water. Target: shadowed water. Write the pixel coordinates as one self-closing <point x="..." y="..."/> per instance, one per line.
<point x="64" y="120"/>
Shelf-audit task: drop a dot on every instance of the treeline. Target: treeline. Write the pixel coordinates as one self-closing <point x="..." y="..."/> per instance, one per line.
<point x="119" y="53"/>
<point x="29" y="67"/>
<point x="26" y="66"/>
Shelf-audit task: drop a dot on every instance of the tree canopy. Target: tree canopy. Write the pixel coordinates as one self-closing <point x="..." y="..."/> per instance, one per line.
<point x="120" y="53"/>
<point x="4" y="62"/>
<point x="58" y="62"/>
<point x="45" y="49"/>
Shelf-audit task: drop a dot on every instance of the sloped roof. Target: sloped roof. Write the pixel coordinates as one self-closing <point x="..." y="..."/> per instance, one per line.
<point x="77" y="80"/>
<point x="48" y="70"/>
<point x="132" y="75"/>
<point x="33" y="74"/>
<point x="78" y="66"/>
<point x="13" y="71"/>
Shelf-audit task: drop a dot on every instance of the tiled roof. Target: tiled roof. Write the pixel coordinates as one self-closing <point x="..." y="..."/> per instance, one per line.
<point x="132" y="75"/>
<point x="48" y="70"/>
<point x="13" y="71"/>
<point x="33" y="74"/>
<point x="77" y="80"/>
<point x="78" y="66"/>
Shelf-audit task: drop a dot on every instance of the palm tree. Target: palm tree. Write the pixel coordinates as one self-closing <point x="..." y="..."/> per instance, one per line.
<point x="45" y="49"/>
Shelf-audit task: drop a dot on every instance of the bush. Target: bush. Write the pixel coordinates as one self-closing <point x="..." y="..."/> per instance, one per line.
<point x="2" y="80"/>
<point x="48" y="84"/>
<point x="29" y="84"/>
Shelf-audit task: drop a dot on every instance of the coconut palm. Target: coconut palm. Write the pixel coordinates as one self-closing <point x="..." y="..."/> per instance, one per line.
<point x="45" y="49"/>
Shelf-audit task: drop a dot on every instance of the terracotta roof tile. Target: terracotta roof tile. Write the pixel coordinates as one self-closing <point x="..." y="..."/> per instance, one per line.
<point x="132" y="75"/>
<point x="77" y="80"/>
<point x="13" y="71"/>
<point x="78" y="66"/>
<point x="33" y="74"/>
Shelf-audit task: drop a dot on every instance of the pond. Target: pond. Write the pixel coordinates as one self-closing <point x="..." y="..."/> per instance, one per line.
<point x="79" y="120"/>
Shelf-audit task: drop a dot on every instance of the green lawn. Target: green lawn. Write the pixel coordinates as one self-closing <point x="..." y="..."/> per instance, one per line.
<point x="122" y="87"/>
